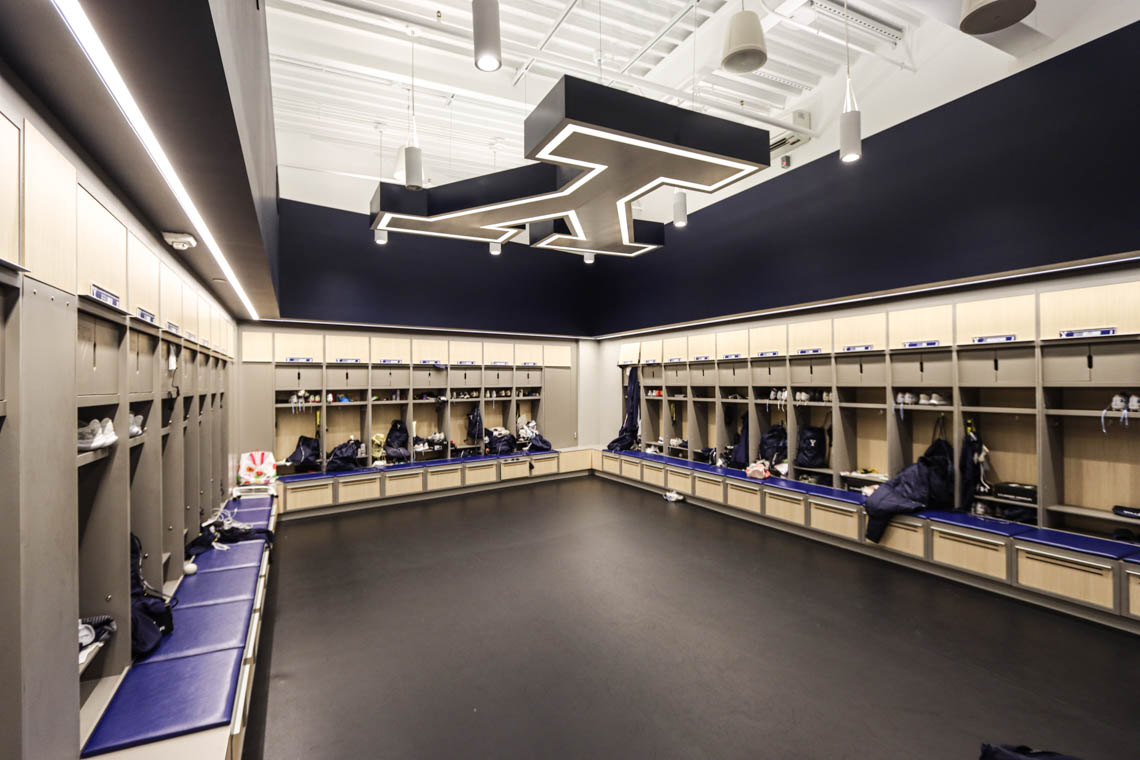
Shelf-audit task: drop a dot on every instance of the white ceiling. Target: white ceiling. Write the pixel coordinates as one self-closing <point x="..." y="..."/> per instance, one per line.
<point x="342" y="72"/>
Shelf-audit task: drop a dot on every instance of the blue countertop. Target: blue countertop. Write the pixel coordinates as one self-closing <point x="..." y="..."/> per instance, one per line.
<point x="976" y="522"/>
<point x="1101" y="547"/>
<point x="406" y="466"/>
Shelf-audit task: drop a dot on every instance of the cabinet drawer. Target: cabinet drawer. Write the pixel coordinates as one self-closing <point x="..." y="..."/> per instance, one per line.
<point x="937" y="368"/>
<point x="836" y="519"/>
<point x="544" y="465"/>
<point x="1015" y="366"/>
<point x="905" y="537"/>
<point x="1133" y="592"/>
<point x="1081" y="580"/>
<point x="734" y="373"/>
<point x="680" y="481"/>
<point x="654" y="474"/>
<point x="306" y="495"/>
<point x="710" y="489"/>
<point x="631" y="469"/>
<point x="297" y="378"/>
<point x="512" y="470"/>
<point x="475" y="474"/>
<point x="466" y="378"/>
<point x="860" y="370"/>
<point x="423" y="377"/>
<point x="1116" y="363"/>
<point x="357" y="489"/>
<point x="574" y="461"/>
<point x="976" y="368"/>
<point x="401" y="483"/>
<point x="499" y="378"/>
<point x="384" y="377"/>
<point x="528" y="378"/>
<point x="611" y="463"/>
<point x="782" y="507"/>
<point x="676" y="375"/>
<point x="772" y="374"/>
<point x="973" y="553"/>
<point x="1068" y="364"/>
<point x="702" y="374"/>
<point x="444" y="477"/>
<point x="652" y="374"/>
<point x="811" y="371"/>
<point x="337" y="378"/>
<point x="743" y="496"/>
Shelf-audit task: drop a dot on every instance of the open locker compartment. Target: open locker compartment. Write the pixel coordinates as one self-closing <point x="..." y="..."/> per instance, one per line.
<point x="383" y="415"/>
<point x="291" y="425"/>
<point x="1011" y="464"/>
<point x="1087" y="470"/>
<point x="458" y="413"/>
<point x="527" y="410"/>
<point x="344" y="423"/>
<point x="703" y="430"/>
<point x="859" y="450"/>
<point x="916" y="429"/>
<point x="497" y="413"/>
<point x="429" y="422"/>
<point x="815" y="415"/>
<point x="675" y="430"/>
<point x="652" y="424"/>
<point x="732" y="424"/>
<point x="766" y="413"/>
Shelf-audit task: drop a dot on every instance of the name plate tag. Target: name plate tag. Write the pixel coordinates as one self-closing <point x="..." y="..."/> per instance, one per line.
<point x="171" y="327"/>
<point x="850" y="349"/>
<point x="994" y="338"/>
<point x="104" y="296"/>
<point x="299" y="359"/>
<point x="1096" y="332"/>
<point x="348" y="361"/>
<point x="731" y="356"/>
<point x="920" y="344"/>
<point x="767" y="353"/>
<point x="146" y="316"/>
<point x="810" y="351"/>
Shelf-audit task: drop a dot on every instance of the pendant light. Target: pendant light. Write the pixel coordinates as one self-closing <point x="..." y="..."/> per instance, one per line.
<point x="744" y="47"/>
<point x="588" y="257"/>
<point x="680" y="200"/>
<point x="381" y="237"/>
<point x="411" y="154"/>
<point x="496" y="248"/>
<point x="485" y="34"/>
<point x="680" y="209"/>
<point x="850" y="121"/>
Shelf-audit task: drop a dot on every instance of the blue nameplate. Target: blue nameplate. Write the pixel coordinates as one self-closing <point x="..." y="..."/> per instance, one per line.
<point x="429" y="361"/>
<point x="675" y="359"/>
<point x="190" y="337"/>
<point x="731" y="356"/>
<point x="1093" y="333"/>
<point x="994" y="338"/>
<point x="920" y="344"/>
<point x="703" y="357"/>
<point x="146" y="316"/>
<point x="857" y="348"/>
<point x="348" y="361"/>
<point x="171" y="327"/>
<point x="767" y="353"/>
<point x="299" y="359"/>
<point x="389" y="361"/>
<point x="810" y="351"/>
<point x="650" y="361"/>
<point x="498" y="364"/>
<point x="465" y="362"/>
<point x="105" y="296"/>
<point x="530" y="364"/>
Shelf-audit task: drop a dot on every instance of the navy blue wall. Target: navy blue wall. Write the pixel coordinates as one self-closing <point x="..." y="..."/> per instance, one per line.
<point x="1039" y="168"/>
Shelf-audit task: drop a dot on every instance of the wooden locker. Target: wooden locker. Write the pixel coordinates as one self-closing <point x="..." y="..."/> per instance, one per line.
<point x="465" y="353"/>
<point x="556" y="356"/>
<point x="205" y="322"/>
<point x="101" y="251"/>
<point x="346" y="349"/>
<point x="391" y="351"/>
<point x="498" y="354"/>
<point x="651" y="352"/>
<point x="928" y="327"/>
<point x="528" y="355"/>
<point x="170" y="300"/>
<point x="997" y="320"/>
<point x="9" y="191"/>
<point x="298" y="347"/>
<point x="702" y="347"/>
<point x="732" y="344"/>
<point x="675" y="350"/>
<point x="1091" y="312"/>
<point x="256" y="346"/>
<point x="189" y="312"/>
<point x="49" y="212"/>
<point x="867" y="332"/>
<point x="810" y="337"/>
<point x="629" y="353"/>
<point x="429" y="351"/>
<point x="768" y="340"/>
<point x="142" y="281"/>
<point x="972" y="551"/>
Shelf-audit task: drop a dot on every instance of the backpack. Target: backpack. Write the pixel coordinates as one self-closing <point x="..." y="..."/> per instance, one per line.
<point x="396" y="442"/>
<point x="811" y="447"/>
<point x="475" y="425"/>
<point x="538" y="443"/>
<point x="152" y="615"/>
<point x="306" y="457"/>
<point x="502" y="444"/>
<point x="343" y="457"/>
<point x="774" y="444"/>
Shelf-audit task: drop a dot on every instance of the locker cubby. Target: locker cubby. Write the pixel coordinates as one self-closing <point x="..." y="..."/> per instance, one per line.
<point x="732" y="422"/>
<point x="676" y="428"/>
<point x="395" y="395"/>
<point x="733" y="393"/>
<point x="359" y="397"/>
<point x="457" y="424"/>
<point x="383" y="415"/>
<point x="1087" y="470"/>
<point x="143" y="409"/>
<point x="497" y="413"/>
<point x="502" y="394"/>
<point x="422" y="395"/>
<point x="528" y="393"/>
<point x="652" y="423"/>
<point x="702" y="430"/>
<point x="766" y="414"/>
<point x="1024" y="399"/>
<point x="530" y="408"/>
<point x="915" y="433"/>
<point x="677" y="392"/>
<point x="292" y="425"/>
<point x="342" y="423"/>
<point x="860" y="443"/>
<point x="946" y="392"/>
<point x="705" y="393"/>
<point x="1084" y="401"/>
<point x="1012" y="443"/>
<point x="816" y="416"/>
<point x="428" y="420"/>
<point x="861" y="395"/>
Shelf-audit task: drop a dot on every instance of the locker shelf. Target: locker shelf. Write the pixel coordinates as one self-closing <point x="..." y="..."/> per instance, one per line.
<point x="138" y="440"/>
<point x="1096" y="514"/>
<point x="1111" y="415"/>
<point x="1004" y="501"/>
<point x="860" y="405"/>
<point x="998" y="410"/>
<point x="104" y="399"/>
<point x="87" y="457"/>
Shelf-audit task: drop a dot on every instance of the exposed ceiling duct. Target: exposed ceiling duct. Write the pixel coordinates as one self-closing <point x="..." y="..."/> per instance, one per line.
<point x="974" y="17"/>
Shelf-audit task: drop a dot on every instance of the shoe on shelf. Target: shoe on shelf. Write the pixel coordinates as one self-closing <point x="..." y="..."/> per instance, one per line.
<point x="924" y="399"/>
<point x="135" y="429"/>
<point x="109" y="436"/>
<point x="937" y="399"/>
<point x="90" y="436"/>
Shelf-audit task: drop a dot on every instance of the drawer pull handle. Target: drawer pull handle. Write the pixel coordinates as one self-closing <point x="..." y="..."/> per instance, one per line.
<point x="834" y="510"/>
<point x="905" y="526"/>
<point x="1066" y="562"/>
<point x="308" y="488"/>
<point x="962" y="538"/>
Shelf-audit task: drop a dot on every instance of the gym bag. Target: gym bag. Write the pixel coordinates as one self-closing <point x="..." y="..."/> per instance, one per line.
<point x="501" y="444"/>
<point x="152" y="614"/>
<point x="811" y="447"/>
<point x="475" y="425"/>
<point x="343" y="457"/>
<point x="306" y="457"/>
<point x="396" y="442"/>
<point x="774" y="444"/>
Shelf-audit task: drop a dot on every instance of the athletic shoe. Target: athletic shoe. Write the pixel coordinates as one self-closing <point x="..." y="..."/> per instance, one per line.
<point x="189" y="568"/>
<point x="1119" y="403"/>
<point x="1134" y="403"/>
<point x="924" y="398"/>
<point x="937" y="399"/>
<point x="108" y="431"/>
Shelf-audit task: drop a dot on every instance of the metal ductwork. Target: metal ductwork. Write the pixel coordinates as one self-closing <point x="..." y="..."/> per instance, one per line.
<point x="998" y="23"/>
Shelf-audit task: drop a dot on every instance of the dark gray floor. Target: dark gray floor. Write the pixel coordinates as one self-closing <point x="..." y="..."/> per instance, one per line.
<point x="586" y="619"/>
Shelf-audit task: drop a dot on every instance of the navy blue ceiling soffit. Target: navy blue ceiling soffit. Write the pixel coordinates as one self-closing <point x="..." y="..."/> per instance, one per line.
<point x="997" y="180"/>
<point x="601" y="149"/>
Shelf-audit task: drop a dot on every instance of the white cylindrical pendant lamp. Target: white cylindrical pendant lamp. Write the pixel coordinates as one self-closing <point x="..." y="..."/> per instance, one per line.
<point x="413" y="167"/>
<point x="496" y="248"/>
<point x="485" y="35"/>
<point x="680" y="209"/>
<point x="381" y="237"/>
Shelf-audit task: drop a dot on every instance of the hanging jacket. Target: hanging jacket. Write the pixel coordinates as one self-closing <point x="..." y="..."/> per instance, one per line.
<point x="475" y="425"/>
<point x="627" y="436"/>
<point x="970" y="467"/>
<point x="774" y="444"/>
<point x="739" y="456"/>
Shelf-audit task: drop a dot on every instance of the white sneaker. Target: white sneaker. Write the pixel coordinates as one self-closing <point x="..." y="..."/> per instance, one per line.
<point x="189" y="568"/>
<point x="90" y="436"/>
<point x="109" y="436"/>
<point x="907" y="398"/>
<point x="924" y="398"/>
<point x="899" y="397"/>
<point x="1119" y="403"/>
<point x="937" y="399"/>
<point x="1134" y="403"/>
<point x="135" y="428"/>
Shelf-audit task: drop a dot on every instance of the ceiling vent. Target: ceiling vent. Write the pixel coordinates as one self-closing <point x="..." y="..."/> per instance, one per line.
<point x="989" y="16"/>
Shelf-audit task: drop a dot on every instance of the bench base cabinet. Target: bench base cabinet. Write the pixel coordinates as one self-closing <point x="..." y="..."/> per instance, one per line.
<point x="439" y="478"/>
<point x="477" y="474"/>
<point x="403" y="483"/>
<point x="709" y="489"/>
<point x="743" y="496"/>
<point x="784" y="507"/>
<point x="653" y="474"/>
<point x="574" y="461"/>
<point x="307" y="495"/>
<point x="905" y="536"/>
<point x="1132" y="594"/>
<point x="837" y="519"/>
<point x="357" y="489"/>
<point x="1088" y="581"/>
<point x="680" y="481"/>
<point x="631" y="469"/>
<point x="978" y="553"/>
<point x="510" y="470"/>
<point x="611" y="463"/>
<point x="545" y="465"/>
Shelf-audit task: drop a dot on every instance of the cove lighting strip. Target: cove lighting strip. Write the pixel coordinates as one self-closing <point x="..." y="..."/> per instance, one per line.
<point x="92" y="46"/>
<point x="549" y="154"/>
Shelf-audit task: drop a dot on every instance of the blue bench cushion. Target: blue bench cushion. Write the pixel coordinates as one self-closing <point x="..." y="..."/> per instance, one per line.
<point x="161" y="700"/>
<point x="1100" y="547"/>
<point x="976" y="522"/>
<point x="214" y="588"/>
<point x="230" y="556"/>
<point x="209" y="628"/>
<point x="250" y="502"/>
<point x="258" y="518"/>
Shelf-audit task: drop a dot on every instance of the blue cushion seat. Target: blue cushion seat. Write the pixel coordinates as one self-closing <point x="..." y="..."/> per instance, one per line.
<point x="1100" y="547"/>
<point x="213" y="588"/>
<point x="209" y="628"/>
<point x="161" y="700"/>
<point x="976" y="522"/>
<point x="242" y="554"/>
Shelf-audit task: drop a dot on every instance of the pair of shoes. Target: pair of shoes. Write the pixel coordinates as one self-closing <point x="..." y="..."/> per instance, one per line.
<point x="96" y="434"/>
<point x="932" y="399"/>
<point x="135" y="429"/>
<point x="906" y="397"/>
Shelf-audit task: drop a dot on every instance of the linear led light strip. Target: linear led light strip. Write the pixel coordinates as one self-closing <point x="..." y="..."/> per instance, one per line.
<point x="548" y="154"/>
<point x="92" y="46"/>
